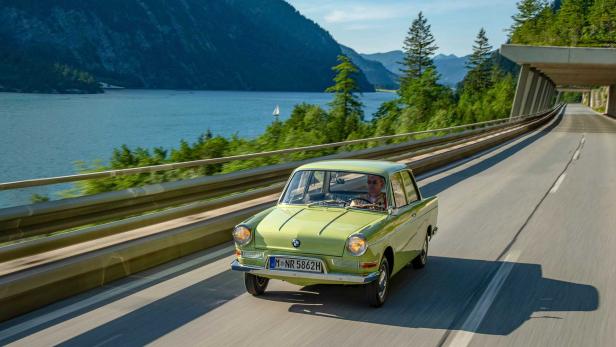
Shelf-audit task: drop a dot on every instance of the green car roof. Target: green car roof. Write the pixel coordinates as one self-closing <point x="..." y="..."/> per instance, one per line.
<point x="376" y="167"/>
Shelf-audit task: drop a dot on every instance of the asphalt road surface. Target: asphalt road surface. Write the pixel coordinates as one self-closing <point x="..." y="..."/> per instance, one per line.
<point x="525" y="256"/>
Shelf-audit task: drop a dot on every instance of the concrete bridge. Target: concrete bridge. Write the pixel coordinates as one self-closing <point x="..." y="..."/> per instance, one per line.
<point x="546" y="70"/>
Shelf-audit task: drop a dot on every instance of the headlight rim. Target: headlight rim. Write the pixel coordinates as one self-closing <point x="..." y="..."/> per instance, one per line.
<point x="365" y="245"/>
<point x="245" y="241"/>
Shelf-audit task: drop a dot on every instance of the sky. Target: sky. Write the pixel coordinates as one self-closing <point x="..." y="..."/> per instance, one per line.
<point x="371" y="26"/>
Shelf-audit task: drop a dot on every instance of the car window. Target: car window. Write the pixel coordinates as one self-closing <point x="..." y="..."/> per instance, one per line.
<point x="337" y="189"/>
<point x="295" y="193"/>
<point x="397" y="187"/>
<point x="316" y="182"/>
<point x="347" y="182"/>
<point x="409" y="187"/>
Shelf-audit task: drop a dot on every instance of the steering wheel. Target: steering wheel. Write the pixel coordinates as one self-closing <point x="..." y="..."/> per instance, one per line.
<point x="367" y="202"/>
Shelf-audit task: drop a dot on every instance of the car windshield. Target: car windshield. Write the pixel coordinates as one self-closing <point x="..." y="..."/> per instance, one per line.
<point x="337" y="189"/>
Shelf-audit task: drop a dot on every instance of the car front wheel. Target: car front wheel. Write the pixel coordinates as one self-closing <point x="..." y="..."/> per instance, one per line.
<point x="421" y="260"/>
<point x="377" y="290"/>
<point x="255" y="285"/>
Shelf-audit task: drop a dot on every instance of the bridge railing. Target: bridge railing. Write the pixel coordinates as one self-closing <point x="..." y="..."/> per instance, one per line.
<point x="205" y="192"/>
<point x="202" y="162"/>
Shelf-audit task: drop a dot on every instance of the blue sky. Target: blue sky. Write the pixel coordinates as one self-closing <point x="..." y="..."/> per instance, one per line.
<point x="370" y="26"/>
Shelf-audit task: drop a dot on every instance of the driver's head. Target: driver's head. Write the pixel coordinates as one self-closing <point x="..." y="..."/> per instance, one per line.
<point x="375" y="185"/>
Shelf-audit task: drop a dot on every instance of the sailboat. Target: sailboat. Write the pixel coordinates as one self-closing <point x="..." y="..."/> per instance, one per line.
<point x="276" y="112"/>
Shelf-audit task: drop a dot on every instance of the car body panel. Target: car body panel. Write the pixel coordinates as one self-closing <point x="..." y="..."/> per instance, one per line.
<point x="323" y="232"/>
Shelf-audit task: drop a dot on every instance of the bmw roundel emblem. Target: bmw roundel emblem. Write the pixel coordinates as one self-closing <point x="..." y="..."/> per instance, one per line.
<point x="296" y="243"/>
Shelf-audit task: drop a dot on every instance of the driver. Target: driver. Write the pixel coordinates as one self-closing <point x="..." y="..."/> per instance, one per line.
<point x="375" y="194"/>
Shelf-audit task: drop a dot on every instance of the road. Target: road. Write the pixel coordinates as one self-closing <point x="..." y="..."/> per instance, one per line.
<point x="524" y="257"/>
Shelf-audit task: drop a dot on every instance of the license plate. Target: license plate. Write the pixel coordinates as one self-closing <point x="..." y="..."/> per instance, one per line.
<point x="295" y="264"/>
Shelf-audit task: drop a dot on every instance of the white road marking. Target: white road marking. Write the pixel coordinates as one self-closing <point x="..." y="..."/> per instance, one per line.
<point x="576" y="155"/>
<point x="462" y="337"/>
<point x="48" y="317"/>
<point x="560" y="180"/>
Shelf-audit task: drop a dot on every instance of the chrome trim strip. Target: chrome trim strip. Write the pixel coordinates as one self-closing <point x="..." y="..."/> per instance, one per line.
<point x="336" y="277"/>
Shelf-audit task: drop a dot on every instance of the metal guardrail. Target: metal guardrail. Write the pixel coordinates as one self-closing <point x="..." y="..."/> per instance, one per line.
<point x="46" y="217"/>
<point x="202" y="162"/>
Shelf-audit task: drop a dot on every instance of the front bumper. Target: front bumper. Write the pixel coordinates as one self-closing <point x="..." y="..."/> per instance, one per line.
<point x="328" y="277"/>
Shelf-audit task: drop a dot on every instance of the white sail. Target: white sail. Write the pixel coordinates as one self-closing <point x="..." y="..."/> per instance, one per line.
<point x="276" y="111"/>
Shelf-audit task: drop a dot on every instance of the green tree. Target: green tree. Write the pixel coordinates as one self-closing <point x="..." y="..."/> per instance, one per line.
<point x="419" y="47"/>
<point x="527" y="11"/>
<point x="346" y="111"/>
<point x="602" y="23"/>
<point x="570" y="22"/>
<point x="480" y="65"/>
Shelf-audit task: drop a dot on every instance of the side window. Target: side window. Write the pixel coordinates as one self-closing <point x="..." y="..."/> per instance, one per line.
<point x="409" y="187"/>
<point x="316" y="182"/>
<point x="397" y="187"/>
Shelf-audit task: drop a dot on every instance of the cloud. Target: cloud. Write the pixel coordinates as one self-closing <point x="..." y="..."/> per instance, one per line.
<point x="360" y="14"/>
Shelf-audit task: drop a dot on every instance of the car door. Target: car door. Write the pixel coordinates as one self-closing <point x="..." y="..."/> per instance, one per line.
<point x="420" y="219"/>
<point x="403" y="214"/>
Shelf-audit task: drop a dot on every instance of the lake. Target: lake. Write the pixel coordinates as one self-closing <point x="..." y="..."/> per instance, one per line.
<point x="42" y="135"/>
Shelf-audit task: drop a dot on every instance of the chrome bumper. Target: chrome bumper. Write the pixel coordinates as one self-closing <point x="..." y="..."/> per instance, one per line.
<point x="335" y="277"/>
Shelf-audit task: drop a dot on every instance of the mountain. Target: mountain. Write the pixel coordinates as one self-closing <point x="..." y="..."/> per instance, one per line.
<point x="183" y="44"/>
<point x="375" y="72"/>
<point x="391" y="60"/>
<point x="450" y="67"/>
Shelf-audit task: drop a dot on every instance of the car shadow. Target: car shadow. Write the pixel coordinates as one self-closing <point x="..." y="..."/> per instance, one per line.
<point x="437" y="186"/>
<point x="442" y="295"/>
<point x="437" y="297"/>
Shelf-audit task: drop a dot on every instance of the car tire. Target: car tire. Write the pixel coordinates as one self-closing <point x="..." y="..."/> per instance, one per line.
<point x="255" y="285"/>
<point x="377" y="290"/>
<point x="421" y="260"/>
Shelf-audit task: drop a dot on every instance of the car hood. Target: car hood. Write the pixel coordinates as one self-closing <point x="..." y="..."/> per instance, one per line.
<point x="320" y="230"/>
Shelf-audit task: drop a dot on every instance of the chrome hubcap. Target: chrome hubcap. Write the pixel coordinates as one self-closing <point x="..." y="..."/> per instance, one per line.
<point x="382" y="282"/>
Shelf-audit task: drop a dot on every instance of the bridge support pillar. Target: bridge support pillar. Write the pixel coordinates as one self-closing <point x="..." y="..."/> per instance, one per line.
<point x="610" y="108"/>
<point x="543" y="100"/>
<point x="537" y="96"/>
<point x="536" y="85"/>
<point x="593" y="98"/>
<point x="521" y="91"/>
<point x="531" y="85"/>
<point x="547" y="103"/>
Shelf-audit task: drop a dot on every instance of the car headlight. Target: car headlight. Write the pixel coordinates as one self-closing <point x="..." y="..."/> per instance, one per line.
<point x="356" y="244"/>
<point x="242" y="235"/>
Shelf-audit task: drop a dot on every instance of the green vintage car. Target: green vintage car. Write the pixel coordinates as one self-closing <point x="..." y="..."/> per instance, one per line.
<point x="339" y="222"/>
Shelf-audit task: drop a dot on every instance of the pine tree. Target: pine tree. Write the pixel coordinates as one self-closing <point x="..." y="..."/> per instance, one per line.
<point x="602" y="23"/>
<point x="419" y="47"/>
<point x="346" y="108"/>
<point x="571" y="21"/>
<point x="527" y="10"/>
<point x="480" y="65"/>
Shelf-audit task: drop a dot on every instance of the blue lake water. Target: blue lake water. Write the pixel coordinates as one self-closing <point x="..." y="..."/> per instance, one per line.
<point x="43" y="135"/>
